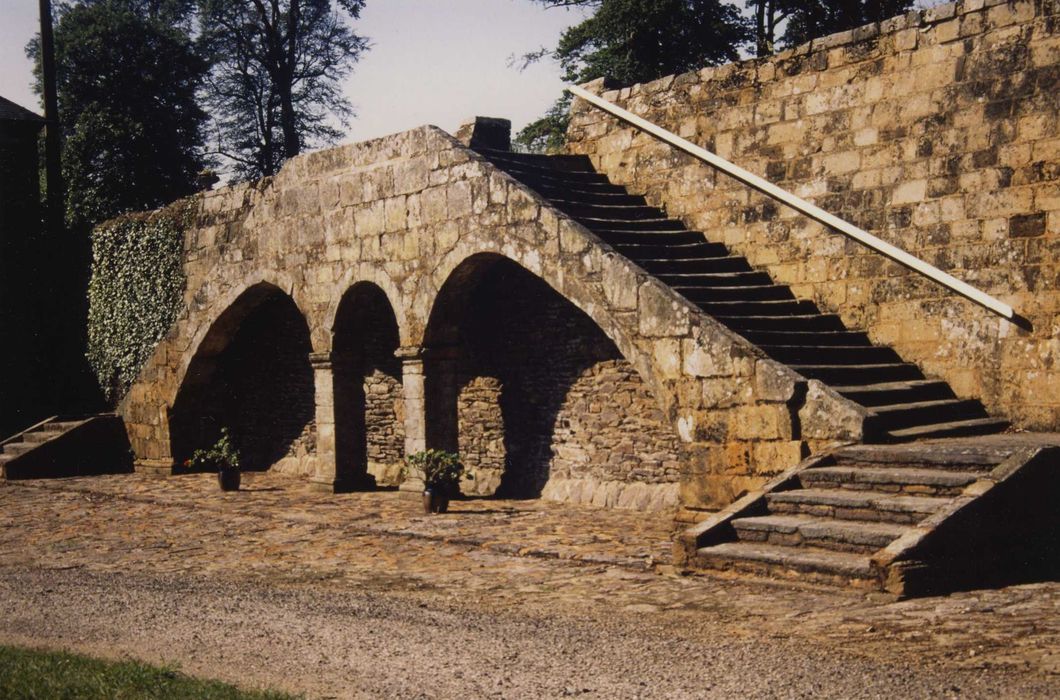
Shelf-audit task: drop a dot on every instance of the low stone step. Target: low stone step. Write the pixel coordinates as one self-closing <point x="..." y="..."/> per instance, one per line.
<point x="773" y="560"/>
<point x="617" y="238"/>
<point x="846" y="504"/>
<point x="765" y="322"/>
<point x="597" y="224"/>
<point x="599" y="195"/>
<point x="801" y="530"/>
<point x="794" y="307"/>
<point x="549" y="187"/>
<point x="978" y="426"/>
<point x="673" y="251"/>
<point x="39" y="436"/>
<point x="18" y="448"/>
<point x="904" y="415"/>
<point x="549" y="161"/>
<point x="976" y="457"/>
<point x="608" y="211"/>
<point x="702" y="265"/>
<point x="832" y="354"/>
<point x="527" y="173"/>
<point x="699" y="295"/>
<point x="803" y="338"/>
<point x="718" y="279"/>
<point x="909" y="479"/>
<point x="889" y="393"/>
<point x="862" y="374"/>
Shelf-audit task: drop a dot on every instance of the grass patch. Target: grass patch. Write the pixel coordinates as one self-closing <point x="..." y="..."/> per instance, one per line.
<point x="31" y="674"/>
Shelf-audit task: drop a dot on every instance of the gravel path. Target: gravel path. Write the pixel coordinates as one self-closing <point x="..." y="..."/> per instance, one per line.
<point x="368" y="644"/>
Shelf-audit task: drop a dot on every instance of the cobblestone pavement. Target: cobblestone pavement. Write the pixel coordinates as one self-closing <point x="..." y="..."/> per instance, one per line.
<point x="509" y="557"/>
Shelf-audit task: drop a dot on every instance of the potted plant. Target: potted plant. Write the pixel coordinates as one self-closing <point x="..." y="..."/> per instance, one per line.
<point x="223" y="457"/>
<point x="442" y="472"/>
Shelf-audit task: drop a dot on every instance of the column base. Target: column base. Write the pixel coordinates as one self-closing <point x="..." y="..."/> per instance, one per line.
<point x="347" y="484"/>
<point x="154" y="467"/>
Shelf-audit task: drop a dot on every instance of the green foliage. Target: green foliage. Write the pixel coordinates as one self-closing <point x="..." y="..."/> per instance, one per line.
<point x="134" y="294"/>
<point x="28" y="673"/>
<point x="547" y="134"/>
<point x="128" y="73"/>
<point x="809" y="19"/>
<point x="439" y="468"/>
<point x="275" y="86"/>
<point x="221" y="455"/>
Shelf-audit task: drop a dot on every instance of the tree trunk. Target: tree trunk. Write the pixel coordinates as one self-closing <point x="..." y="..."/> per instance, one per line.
<point x="55" y="192"/>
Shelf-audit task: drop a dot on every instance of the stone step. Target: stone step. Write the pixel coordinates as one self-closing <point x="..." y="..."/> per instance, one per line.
<point x="859" y="374"/>
<point x="699" y="295"/>
<point x="801" y="338"/>
<point x="595" y="195"/>
<point x="18" y="448"/>
<point x="728" y="263"/>
<point x="40" y="435"/>
<point x="596" y="224"/>
<point x="617" y="238"/>
<point x="804" y="322"/>
<point x="530" y="173"/>
<point x="790" y="562"/>
<point x="936" y="456"/>
<point x="717" y="279"/>
<point x="976" y="426"/>
<point x="678" y="251"/>
<point x="890" y="393"/>
<point x="613" y="212"/>
<point x="832" y="354"/>
<point x="794" y="307"/>
<point x="549" y="161"/>
<point x="847" y="504"/>
<point x="908" y="479"/>
<point x="805" y="531"/>
<point x="904" y="415"/>
<point x="549" y="187"/>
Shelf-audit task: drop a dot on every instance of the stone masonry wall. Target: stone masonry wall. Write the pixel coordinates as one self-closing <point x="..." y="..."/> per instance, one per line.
<point x="937" y="131"/>
<point x="404" y="213"/>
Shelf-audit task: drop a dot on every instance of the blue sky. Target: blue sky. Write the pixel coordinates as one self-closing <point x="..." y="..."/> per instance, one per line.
<point x="432" y="62"/>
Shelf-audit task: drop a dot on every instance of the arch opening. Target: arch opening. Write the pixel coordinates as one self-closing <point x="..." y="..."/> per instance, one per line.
<point x="369" y="404"/>
<point x="251" y="374"/>
<point x="536" y="399"/>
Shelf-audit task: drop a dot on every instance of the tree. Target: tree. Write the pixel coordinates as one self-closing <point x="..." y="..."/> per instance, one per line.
<point x="127" y="74"/>
<point x="631" y="41"/>
<point x="809" y="19"/>
<point x="275" y="84"/>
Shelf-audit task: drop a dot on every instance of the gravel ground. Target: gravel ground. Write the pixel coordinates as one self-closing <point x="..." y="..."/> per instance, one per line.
<point x="370" y="642"/>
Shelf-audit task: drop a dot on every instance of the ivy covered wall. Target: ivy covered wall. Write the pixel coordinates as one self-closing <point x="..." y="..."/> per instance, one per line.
<point x="135" y="292"/>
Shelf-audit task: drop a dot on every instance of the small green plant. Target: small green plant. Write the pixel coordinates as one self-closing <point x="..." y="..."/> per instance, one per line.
<point x="222" y="455"/>
<point x="440" y="468"/>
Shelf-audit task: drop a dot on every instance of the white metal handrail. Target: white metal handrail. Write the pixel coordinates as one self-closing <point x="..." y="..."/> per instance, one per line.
<point x="801" y="205"/>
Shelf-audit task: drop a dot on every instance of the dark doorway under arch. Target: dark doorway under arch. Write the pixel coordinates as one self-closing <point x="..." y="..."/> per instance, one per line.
<point x="252" y="375"/>
<point x="369" y="408"/>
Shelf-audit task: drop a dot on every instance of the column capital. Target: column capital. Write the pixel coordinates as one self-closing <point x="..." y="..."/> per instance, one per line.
<point x="410" y="352"/>
<point x="320" y="360"/>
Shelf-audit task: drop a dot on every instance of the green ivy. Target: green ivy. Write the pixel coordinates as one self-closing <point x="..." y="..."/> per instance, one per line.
<point x="135" y="293"/>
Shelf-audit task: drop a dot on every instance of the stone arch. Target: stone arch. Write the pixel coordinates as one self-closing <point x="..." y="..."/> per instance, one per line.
<point x="377" y="277"/>
<point x="509" y="361"/>
<point x="250" y="372"/>
<point x="368" y="399"/>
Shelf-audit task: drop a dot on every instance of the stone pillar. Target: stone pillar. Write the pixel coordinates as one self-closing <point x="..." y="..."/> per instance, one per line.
<point x="412" y="384"/>
<point x="323" y="478"/>
<point x="486" y="132"/>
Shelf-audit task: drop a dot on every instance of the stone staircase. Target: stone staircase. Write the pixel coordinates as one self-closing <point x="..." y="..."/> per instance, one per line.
<point x="904" y="405"/>
<point x="909" y="518"/>
<point x="66" y="446"/>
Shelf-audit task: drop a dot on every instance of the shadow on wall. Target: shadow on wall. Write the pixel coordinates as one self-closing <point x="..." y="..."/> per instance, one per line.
<point x="251" y="374"/>
<point x="527" y="387"/>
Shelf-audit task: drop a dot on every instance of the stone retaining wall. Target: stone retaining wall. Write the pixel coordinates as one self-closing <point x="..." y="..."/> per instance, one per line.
<point x="937" y="131"/>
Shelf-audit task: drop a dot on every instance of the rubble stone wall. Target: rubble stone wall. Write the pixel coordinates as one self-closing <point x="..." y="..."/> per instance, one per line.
<point x="936" y="130"/>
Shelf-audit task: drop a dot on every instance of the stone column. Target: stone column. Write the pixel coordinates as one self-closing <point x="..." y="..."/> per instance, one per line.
<point x="412" y="383"/>
<point x="323" y="478"/>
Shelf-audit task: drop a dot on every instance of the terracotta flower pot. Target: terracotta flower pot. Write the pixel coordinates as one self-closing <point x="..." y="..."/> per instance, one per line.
<point x="229" y="479"/>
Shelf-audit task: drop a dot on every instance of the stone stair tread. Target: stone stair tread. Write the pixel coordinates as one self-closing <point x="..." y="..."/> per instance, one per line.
<point x="798" y="558"/>
<point x="917" y="405"/>
<point x="825" y="528"/>
<point x="909" y="475"/>
<point x="846" y="498"/>
<point x="937" y="456"/>
<point x="952" y="428"/>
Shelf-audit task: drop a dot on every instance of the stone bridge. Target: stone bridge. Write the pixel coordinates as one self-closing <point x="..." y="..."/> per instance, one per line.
<point x="375" y="299"/>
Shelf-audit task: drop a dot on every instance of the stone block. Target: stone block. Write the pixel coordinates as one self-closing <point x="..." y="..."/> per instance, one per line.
<point x="659" y="312"/>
